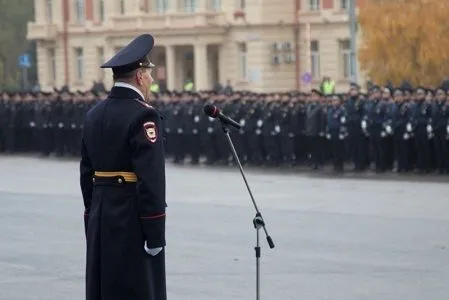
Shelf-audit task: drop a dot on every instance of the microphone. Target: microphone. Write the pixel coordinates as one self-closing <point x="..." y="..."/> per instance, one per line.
<point x="214" y="112"/>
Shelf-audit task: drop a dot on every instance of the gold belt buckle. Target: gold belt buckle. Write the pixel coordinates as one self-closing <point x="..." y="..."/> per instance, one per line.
<point x="127" y="176"/>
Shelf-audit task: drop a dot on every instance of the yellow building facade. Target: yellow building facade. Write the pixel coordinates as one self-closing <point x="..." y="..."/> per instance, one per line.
<point x="257" y="45"/>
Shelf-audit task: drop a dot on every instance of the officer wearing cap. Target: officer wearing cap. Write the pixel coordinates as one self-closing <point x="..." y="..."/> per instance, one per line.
<point x="122" y="176"/>
<point x="314" y="121"/>
<point x="422" y="128"/>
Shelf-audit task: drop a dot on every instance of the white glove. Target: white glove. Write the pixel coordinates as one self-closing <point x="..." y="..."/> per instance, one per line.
<point x="409" y="127"/>
<point x="152" y="251"/>
<point x="343" y="120"/>
<point x="429" y="128"/>
<point x="447" y="128"/>
<point x="389" y="129"/>
<point x="363" y="124"/>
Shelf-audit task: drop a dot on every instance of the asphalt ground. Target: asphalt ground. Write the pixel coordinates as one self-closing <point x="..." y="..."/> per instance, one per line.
<point x="351" y="237"/>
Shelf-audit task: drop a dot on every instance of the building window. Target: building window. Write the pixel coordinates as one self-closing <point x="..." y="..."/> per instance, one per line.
<point x="345" y="58"/>
<point x="314" y="4"/>
<point x="49" y="10"/>
<point x="79" y="10"/>
<point x="216" y="5"/>
<point x="122" y="7"/>
<point x="100" y="55"/>
<point x="79" y="64"/>
<point x="189" y="6"/>
<point x="161" y="6"/>
<point x="101" y="10"/>
<point x="344" y="4"/>
<point x="52" y="65"/>
<point x="241" y="4"/>
<point x="243" y="61"/>
<point x="315" y="59"/>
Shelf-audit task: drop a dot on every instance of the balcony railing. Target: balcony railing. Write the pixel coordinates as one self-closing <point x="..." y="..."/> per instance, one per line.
<point x="42" y="31"/>
<point x="151" y="21"/>
<point x="170" y="20"/>
<point x="324" y="16"/>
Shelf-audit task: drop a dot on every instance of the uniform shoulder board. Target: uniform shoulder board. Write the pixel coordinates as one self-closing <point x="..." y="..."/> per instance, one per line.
<point x="143" y="103"/>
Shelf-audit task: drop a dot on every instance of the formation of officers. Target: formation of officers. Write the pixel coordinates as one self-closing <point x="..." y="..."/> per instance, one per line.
<point x="386" y="129"/>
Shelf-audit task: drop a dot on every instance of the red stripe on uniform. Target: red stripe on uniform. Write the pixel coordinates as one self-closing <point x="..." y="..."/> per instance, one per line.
<point x="153" y="217"/>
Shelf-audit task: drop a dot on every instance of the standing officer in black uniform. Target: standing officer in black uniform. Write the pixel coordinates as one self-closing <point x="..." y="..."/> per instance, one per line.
<point x="337" y="131"/>
<point x="378" y="117"/>
<point x="314" y="121"/>
<point x="355" y="110"/>
<point x="422" y="127"/>
<point x="123" y="184"/>
<point x="440" y="120"/>
<point x="402" y="137"/>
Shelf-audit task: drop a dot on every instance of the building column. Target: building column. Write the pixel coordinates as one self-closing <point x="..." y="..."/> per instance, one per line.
<point x="108" y="54"/>
<point x="40" y="10"/>
<point x="222" y="66"/>
<point x="200" y="63"/>
<point x="170" y="74"/>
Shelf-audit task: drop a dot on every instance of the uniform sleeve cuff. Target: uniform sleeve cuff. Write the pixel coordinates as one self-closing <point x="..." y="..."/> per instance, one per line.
<point x="154" y="229"/>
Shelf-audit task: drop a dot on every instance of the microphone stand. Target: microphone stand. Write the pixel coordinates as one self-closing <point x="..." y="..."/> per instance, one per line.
<point x="258" y="221"/>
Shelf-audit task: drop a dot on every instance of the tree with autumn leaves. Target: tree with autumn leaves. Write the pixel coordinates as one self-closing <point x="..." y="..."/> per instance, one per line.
<point x="405" y="40"/>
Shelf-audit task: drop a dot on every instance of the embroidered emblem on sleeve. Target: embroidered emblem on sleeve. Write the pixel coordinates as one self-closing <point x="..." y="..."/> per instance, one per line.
<point x="150" y="131"/>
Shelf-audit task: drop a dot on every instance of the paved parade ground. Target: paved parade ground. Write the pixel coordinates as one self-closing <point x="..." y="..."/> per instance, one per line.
<point x="336" y="238"/>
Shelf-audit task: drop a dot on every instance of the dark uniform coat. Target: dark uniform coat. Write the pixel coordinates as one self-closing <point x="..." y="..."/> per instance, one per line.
<point x="124" y="134"/>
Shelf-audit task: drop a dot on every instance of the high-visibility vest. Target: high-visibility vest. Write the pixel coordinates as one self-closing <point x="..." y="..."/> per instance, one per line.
<point x="154" y="88"/>
<point x="328" y="87"/>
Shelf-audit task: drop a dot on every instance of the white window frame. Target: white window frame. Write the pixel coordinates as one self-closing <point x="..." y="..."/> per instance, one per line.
<point x="314" y="5"/>
<point x="79" y="62"/>
<point x="216" y="5"/>
<point x="344" y="4"/>
<point x="80" y="12"/>
<point x="49" y="10"/>
<point x="243" y="60"/>
<point x="345" y="58"/>
<point x="315" y="59"/>
<point x="240" y="4"/>
<point x="52" y="65"/>
<point x="161" y="6"/>
<point x="190" y="6"/>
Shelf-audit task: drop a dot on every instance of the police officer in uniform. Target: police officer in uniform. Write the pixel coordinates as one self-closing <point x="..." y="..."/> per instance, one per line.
<point x="122" y="174"/>
<point x="314" y="121"/>
<point x="402" y="136"/>
<point x="440" y="123"/>
<point x="337" y="131"/>
<point x="355" y="110"/>
<point x="422" y="128"/>
<point x="378" y="117"/>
